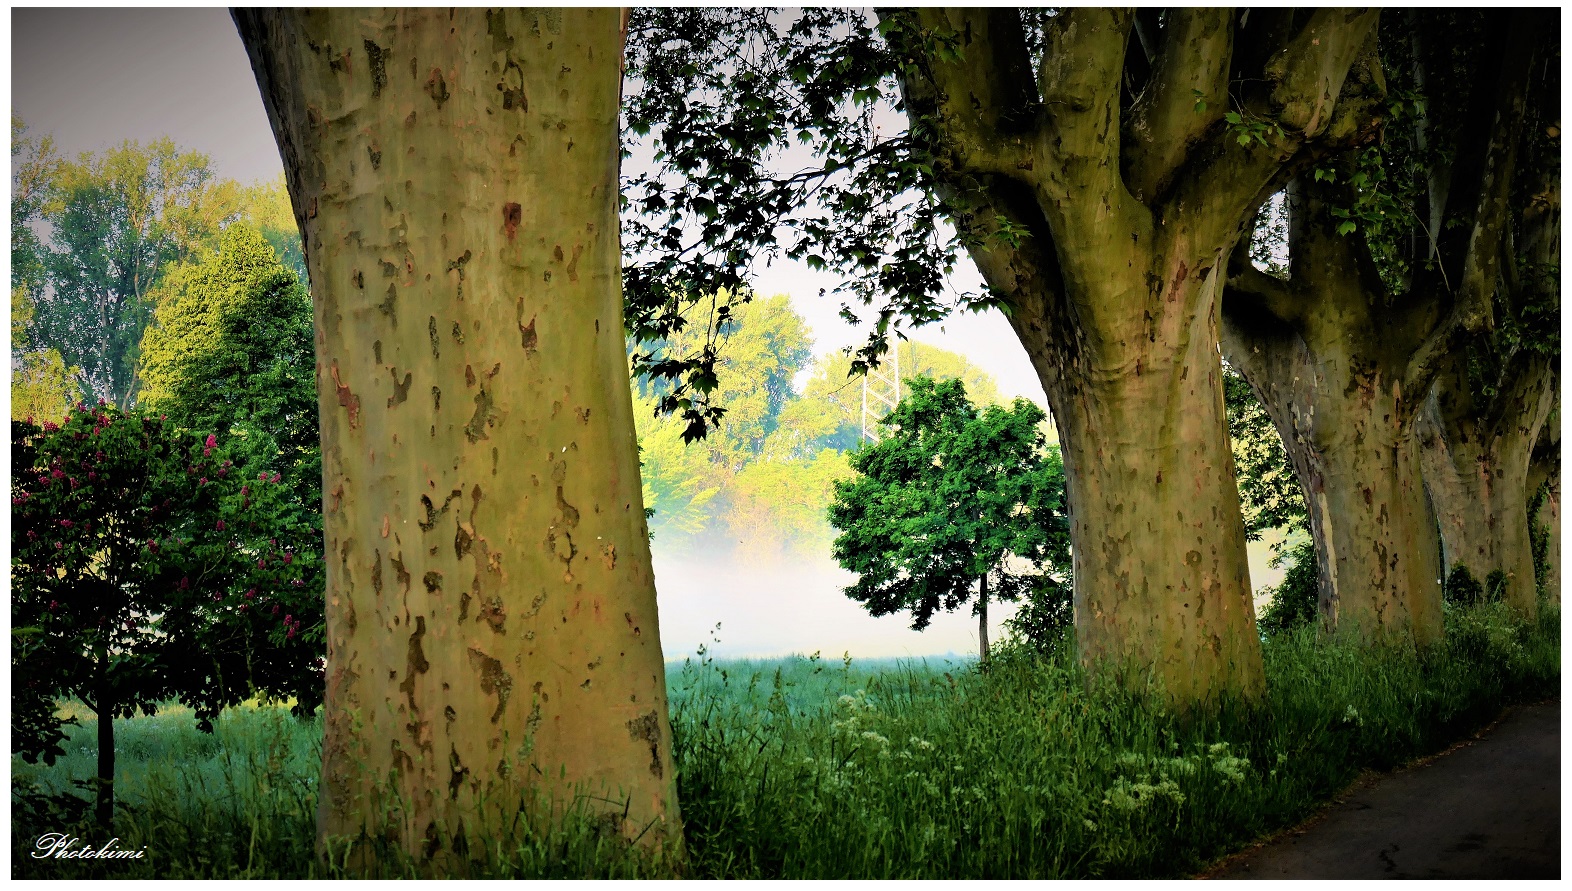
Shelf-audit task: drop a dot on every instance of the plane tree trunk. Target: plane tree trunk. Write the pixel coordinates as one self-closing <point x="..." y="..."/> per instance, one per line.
<point x="1343" y="363"/>
<point x="1103" y="224"/>
<point x="1328" y="360"/>
<point x="491" y="620"/>
<point x="1477" y="470"/>
<point x="1495" y="392"/>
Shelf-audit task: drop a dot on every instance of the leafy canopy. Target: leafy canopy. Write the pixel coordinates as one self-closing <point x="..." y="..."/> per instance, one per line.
<point x="146" y="565"/>
<point x="952" y="494"/>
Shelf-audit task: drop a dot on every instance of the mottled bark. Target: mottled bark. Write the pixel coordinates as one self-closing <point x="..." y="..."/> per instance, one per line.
<point x="1343" y="365"/>
<point x="1495" y="389"/>
<point x="491" y="618"/>
<point x="1477" y="472"/>
<point x="1328" y="362"/>
<point x="1119" y="222"/>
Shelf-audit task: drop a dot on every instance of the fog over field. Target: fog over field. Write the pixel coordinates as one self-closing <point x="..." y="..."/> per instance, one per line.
<point x="777" y="607"/>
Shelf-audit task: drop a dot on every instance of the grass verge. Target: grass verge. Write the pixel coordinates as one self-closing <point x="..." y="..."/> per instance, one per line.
<point x="805" y="769"/>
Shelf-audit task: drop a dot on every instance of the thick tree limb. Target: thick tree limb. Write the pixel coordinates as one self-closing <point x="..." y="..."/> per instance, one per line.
<point x="1482" y="263"/>
<point x="1083" y="59"/>
<point x="1308" y="73"/>
<point x="1187" y="96"/>
<point x="1470" y="310"/>
<point x="1249" y="285"/>
<point x="971" y="80"/>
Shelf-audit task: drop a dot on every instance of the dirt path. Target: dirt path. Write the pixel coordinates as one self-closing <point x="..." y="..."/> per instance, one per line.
<point x="1488" y="809"/>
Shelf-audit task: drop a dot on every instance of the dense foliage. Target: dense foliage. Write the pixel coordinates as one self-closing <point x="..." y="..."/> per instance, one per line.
<point x="147" y="565"/>
<point x="953" y="501"/>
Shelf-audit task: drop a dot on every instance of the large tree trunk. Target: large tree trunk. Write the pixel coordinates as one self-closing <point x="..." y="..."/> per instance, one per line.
<point x="1161" y="579"/>
<point x="1104" y="226"/>
<point x="1328" y="359"/>
<point x="1477" y="472"/>
<point x="491" y="614"/>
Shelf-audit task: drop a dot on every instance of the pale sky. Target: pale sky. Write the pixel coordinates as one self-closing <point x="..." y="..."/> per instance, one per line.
<point x="93" y="78"/>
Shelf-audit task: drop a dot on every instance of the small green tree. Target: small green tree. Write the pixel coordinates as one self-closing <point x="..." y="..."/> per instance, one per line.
<point x="952" y="501"/>
<point x="147" y="564"/>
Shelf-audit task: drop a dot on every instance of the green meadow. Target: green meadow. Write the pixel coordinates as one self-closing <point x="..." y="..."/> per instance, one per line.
<point x="835" y="768"/>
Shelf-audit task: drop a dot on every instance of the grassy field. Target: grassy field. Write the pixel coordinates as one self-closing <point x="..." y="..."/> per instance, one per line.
<point x="809" y="768"/>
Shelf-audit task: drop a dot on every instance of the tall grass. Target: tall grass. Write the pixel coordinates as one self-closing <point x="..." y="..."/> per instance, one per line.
<point x="803" y="768"/>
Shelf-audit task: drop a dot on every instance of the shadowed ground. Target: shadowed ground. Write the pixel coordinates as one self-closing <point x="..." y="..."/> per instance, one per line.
<point x="1488" y="809"/>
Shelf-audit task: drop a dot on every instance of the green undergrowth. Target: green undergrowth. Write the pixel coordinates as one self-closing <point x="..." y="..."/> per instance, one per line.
<point x="803" y="768"/>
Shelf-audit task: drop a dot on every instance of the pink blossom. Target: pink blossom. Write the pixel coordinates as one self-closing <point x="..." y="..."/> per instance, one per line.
<point x="251" y="593"/>
<point x="219" y="525"/>
<point x="223" y="472"/>
<point x="59" y="546"/>
<point x="276" y="477"/>
<point x="206" y="452"/>
<point x="53" y="604"/>
<point x="262" y="563"/>
<point x="50" y="426"/>
<point x="66" y="523"/>
<point x="275" y="609"/>
<point x="289" y="558"/>
<point x="57" y="473"/>
<point x="212" y="440"/>
<point x="287" y="618"/>
<point x="202" y="481"/>
<point x="262" y="477"/>
<point x="185" y="583"/>
<point x="92" y="475"/>
<point x="244" y="491"/>
<point x="290" y="634"/>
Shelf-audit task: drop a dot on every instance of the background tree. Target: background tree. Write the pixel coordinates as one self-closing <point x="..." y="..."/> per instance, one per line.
<point x="265" y="205"/>
<point x="1495" y="390"/>
<point x="833" y="393"/>
<point x="1377" y="294"/>
<point x="951" y="499"/>
<point x="1037" y="135"/>
<point x="116" y="219"/>
<point x="762" y="345"/>
<point x="491" y="612"/>
<point x="42" y="386"/>
<point x="232" y="349"/>
<point x="144" y="568"/>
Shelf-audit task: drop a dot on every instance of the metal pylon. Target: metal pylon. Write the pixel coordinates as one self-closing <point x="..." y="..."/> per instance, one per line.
<point x="881" y="389"/>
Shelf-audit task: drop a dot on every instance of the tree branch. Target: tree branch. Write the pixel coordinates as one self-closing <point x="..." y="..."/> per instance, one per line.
<point x="1471" y="309"/>
<point x="1187" y="96"/>
<point x="1308" y="73"/>
<point x="1482" y="261"/>
<point x="1083" y="59"/>
<point x="968" y="88"/>
<point x="1250" y="286"/>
